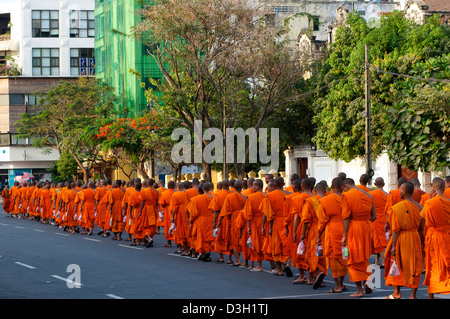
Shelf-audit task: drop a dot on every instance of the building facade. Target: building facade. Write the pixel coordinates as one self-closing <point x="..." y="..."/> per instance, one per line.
<point x="41" y="43"/>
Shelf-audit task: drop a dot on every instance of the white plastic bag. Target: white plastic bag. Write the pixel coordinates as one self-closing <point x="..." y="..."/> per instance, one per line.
<point x="249" y="243"/>
<point x="301" y="248"/>
<point x="394" y="271"/>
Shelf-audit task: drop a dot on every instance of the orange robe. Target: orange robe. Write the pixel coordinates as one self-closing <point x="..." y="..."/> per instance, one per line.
<point x="243" y="236"/>
<point x="436" y="213"/>
<point x="177" y="208"/>
<point x="134" y="202"/>
<point x="329" y="216"/>
<point x="115" y="197"/>
<point x="31" y="208"/>
<point x="160" y="222"/>
<point x="378" y="232"/>
<point x="275" y="214"/>
<point x="69" y="199"/>
<point x="38" y="202"/>
<point x="289" y="221"/>
<point x="164" y="202"/>
<point x="46" y="203"/>
<point x="88" y="213"/>
<point x="201" y="218"/>
<point x="417" y="195"/>
<point x="14" y="192"/>
<point x="357" y="207"/>
<point x="247" y="191"/>
<point x="254" y="214"/>
<point x="364" y="188"/>
<point x="231" y="208"/>
<point x="128" y="217"/>
<point x="60" y="211"/>
<point x="424" y="198"/>
<point x="6" y="200"/>
<point x="190" y="193"/>
<point x="221" y="241"/>
<point x="393" y="198"/>
<point x="23" y="201"/>
<point x="100" y="193"/>
<point x="149" y="215"/>
<point x="404" y="219"/>
<point x="309" y="218"/>
<point x="298" y="261"/>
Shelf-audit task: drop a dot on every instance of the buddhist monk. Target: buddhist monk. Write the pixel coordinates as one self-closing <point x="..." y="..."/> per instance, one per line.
<point x="275" y="216"/>
<point x="46" y="204"/>
<point x="229" y="233"/>
<point x="254" y="215"/>
<point x="6" y="200"/>
<point x="221" y="242"/>
<point x="100" y="208"/>
<point x="363" y="181"/>
<point x="87" y="206"/>
<point x="358" y="211"/>
<point x="126" y="211"/>
<point x="191" y="191"/>
<point x="378" y="232"/>
<point x="393" y="198"/>
<point x="177" y="208"/>
<point x="115" y="197"/>
<point x="436" y="216"/>
<point x="148" y="211"/>
<point x="134" y="205"/>
<point x="418" y="192"/>
<point x="201" y="221"/>
<point x="13" y="192"/>
<point x="267" y="238"/>
<point x="405" y="247"/>
<point x="69" y="207"/>
<point x="267" y="178"/>
<point x="447" y="186"/>
<point x="164" y="202"/>
<point x="330" y="232"/>
<point x="317" y="264"/>
<point x="296" y="188"/>
<point x="29" y="196"/>
<point x="160" y="222"/>
<point x="290" y="188"/>
<point x="249" y="190"/>
<point x="300" y="261"/>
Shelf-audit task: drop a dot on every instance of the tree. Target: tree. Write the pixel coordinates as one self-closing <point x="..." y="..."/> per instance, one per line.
<point x="63" y="115"/>
<point x="222" y="64"/>
<point x="399" y="50"/>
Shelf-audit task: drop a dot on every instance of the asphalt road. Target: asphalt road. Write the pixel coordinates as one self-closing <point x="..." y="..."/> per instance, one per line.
<point x="40" y="261"/>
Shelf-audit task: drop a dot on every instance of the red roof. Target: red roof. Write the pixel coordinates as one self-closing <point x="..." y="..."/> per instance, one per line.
<point x="438" y="5"/>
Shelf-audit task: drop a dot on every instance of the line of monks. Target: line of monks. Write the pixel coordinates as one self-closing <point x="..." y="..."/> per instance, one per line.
<point x="305" y="225"/>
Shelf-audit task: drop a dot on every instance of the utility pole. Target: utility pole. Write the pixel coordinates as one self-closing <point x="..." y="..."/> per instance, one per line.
<point x="369" y="170"/>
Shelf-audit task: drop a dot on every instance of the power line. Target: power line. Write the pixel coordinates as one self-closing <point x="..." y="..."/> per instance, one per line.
<point x="374" y="68"/>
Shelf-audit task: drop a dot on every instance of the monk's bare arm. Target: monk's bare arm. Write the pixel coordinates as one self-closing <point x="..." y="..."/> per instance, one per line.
<point x="346" y="223"/>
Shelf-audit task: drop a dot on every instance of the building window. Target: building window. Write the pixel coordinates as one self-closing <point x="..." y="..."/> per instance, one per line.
<point x="45" y="61"/>
<point x="315" y="23"/>
<point x="82" y="62"/>
<point x="82" y="24"/>
<point x="45" y="23"/>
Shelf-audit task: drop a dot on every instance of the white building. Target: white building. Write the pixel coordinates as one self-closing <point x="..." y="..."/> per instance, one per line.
<point x="41" y="43"/>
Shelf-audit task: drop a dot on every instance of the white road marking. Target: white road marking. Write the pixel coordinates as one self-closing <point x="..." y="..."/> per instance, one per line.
<point x="39" y="230"/>
<point x="24" y="265"/>
<point x="4" y="224"/>
<point x="20" y="227"/>
<point x="92" y="239"/>
<point x="61" y="234"/>
<point x="114" y="296"/>
<point x="132" y="247"/>
<point x="67" y="280"/>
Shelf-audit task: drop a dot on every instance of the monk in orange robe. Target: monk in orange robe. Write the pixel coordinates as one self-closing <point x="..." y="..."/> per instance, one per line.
<point x="134" y="204"/>
<point x="38" y="204"/>
<point x="267" y="238"/>
<point x="436" y="216"/>
<point x="378" y="226"/>
<point x="358" y="211"/>
<point x="115" y="197"/>
<point x="254" y="215"/>
<point x="393" y="198"/>
<point x="125" y="208"/>
<point x="46" y="204"/>
<point x="88" y="207"/>
<point x="14" y="193"/>
<point x="100" y="208"/>
<point x="201" y="221"/>
<point x="58" y="205"/>
<point x="300" y="261"/>
<point x="148" y="211"/>
<point x="275" y="216"/>
<point x="296" y="187"/>
<point x="363" y="181"/>
<point x="418" y="192"/>
<point x="192" y="190"/>
<point x="330" y="232"/>
<point x="160" y="222"/>
<point x="69" y="207"/>
<point x="229" y="233"/>
<point x="177" y="208"/>
<point x="405" y="246"/>
<point x="6" y="200"/>
<point x="221" y="243"/>
<point x="31" y="208"/>
<point x="22" y="200"/>
<point x="249" y="187"/>
<point x="309" y="236"/>
<point x="164" y="202"/>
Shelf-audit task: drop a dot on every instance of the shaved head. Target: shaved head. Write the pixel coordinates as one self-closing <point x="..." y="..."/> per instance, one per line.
<point x="321" y="188"/>
<point x="401" y="180"/>
<point x="279" y="182"/>
<point x="407" y="188"/>
<point x="379" y="181"/>
<point x="364" y="179"/>
<point x="336" y="183"/>
<point x="348" y="181"/>
<point x="438" y="184"/>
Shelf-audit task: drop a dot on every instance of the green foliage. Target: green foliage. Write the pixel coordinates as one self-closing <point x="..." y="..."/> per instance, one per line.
<point x="397" y="46"/>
